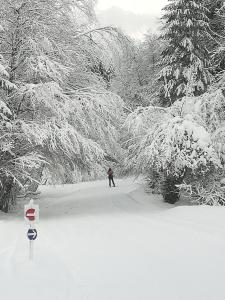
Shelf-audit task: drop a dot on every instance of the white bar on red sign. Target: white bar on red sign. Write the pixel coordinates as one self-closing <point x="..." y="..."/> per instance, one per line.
<point x="31" y="212"/>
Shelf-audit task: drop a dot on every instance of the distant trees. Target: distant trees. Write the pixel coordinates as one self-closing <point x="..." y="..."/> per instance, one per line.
<point x="136" y="76"/>
<point x="148" y="61"/>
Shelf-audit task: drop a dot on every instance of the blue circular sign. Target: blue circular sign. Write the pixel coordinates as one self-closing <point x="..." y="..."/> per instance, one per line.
<point x="32" y="234"/>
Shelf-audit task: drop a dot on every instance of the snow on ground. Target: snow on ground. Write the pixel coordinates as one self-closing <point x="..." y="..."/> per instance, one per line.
<point x="97" y="243"/>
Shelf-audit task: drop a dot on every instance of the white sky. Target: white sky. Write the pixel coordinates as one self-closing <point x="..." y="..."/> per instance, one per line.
<point x="136" y="6"/>
<point x="135" y="17"/>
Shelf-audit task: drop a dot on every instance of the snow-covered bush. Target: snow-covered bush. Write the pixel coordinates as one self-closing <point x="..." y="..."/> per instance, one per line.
<point x="184" y="142"/>
<point x="208" y="192"/>
<point x="175" y="141"/>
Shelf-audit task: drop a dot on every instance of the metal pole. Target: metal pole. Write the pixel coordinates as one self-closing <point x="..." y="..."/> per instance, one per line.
<point x="31" y="252"/>
<point x="31" y="249"/>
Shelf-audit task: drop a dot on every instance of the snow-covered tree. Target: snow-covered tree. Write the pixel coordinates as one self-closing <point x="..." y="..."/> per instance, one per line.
<point x="217" y="18"/>
<point x="135" y="76"/>
<point x="55" y="112"/>
<point x="215" y="12"/>
<point x="186" y="57"/>
<point x="182" y="146"/>
<point x="148" y="68"/>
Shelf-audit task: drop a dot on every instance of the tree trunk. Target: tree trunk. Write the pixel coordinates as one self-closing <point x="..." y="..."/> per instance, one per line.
<point x="155" y="179"/>
<point x="37" y="174"/>
<point x="170" y="192"/>
<point x="7" y="194"/>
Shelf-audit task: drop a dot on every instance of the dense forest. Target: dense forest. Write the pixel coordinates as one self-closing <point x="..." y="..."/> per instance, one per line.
<point x="76" y="97"/>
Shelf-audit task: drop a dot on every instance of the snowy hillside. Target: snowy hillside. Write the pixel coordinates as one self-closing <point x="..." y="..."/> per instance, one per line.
<point x="96" y="243"/>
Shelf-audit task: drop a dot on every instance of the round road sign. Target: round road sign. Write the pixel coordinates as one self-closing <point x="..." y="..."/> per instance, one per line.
<point x="32" y="234"/>
<point x="30" y="214"/>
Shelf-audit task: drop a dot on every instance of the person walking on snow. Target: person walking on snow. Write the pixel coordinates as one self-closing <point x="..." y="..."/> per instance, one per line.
<point x="110" y="176"/>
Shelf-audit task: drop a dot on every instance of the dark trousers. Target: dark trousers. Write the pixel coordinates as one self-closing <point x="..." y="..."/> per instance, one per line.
<point x="111" y="180"/>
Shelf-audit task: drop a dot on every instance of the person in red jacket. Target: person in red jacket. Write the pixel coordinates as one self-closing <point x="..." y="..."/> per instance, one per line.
<point x="110" y="176"/>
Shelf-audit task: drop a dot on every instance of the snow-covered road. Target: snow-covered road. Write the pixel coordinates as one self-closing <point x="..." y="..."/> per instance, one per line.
<point x="96" y="243"/>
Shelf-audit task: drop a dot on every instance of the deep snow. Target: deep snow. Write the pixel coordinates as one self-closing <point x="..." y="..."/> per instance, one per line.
<point x="96" y="243"/>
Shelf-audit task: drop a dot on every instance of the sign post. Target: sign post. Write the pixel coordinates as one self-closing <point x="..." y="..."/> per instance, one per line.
<point x="31" y="215"/>
<point x="31" y="251"/>
<point x="32" y="235"/>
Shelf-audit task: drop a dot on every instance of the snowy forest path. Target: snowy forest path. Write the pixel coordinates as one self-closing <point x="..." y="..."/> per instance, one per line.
<point x="98" y="243"/>
<point x="96" y="198"/>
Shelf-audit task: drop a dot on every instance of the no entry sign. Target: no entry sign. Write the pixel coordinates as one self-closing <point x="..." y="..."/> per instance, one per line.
<point x="31" y="212"/>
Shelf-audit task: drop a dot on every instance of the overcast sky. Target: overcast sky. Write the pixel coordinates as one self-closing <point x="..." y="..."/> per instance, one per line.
<point x="135" y="17"/>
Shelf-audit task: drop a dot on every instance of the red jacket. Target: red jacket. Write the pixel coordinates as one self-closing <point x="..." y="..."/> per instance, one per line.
<point x="110" y="173"/>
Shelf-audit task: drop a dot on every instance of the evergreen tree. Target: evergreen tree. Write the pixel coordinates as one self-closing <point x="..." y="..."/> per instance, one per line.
<point x="216" y="16"/>
<point x="186" y="57"/>
<point x="215" y="9"/>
